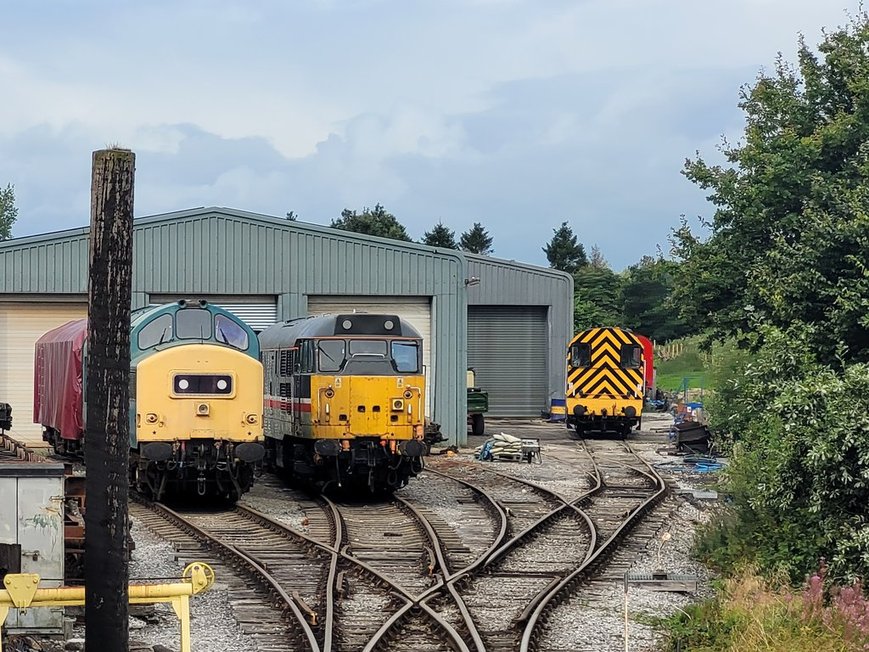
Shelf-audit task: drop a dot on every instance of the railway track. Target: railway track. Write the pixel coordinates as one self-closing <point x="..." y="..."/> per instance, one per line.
<point x="629" y="488"/>
<point x="512" y="593"/>
<point x="491" y="567"/>
<point x="435" y="548"/>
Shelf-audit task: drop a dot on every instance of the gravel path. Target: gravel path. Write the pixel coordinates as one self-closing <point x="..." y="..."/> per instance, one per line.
<point x="211" y="628"/>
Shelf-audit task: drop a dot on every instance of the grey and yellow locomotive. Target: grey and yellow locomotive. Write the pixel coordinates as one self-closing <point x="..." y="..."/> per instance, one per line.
<point x="344" y="400"/>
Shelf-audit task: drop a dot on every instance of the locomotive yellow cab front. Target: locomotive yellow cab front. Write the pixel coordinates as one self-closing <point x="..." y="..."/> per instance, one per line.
<point x="345" y="400"/>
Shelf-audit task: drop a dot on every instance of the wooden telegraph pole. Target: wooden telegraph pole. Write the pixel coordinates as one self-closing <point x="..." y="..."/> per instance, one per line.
<point x="107" y="438"/>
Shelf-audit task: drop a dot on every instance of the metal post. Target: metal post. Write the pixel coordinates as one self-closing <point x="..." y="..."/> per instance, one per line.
<point x="107" y="431"/>
<point x="626" y="611"/>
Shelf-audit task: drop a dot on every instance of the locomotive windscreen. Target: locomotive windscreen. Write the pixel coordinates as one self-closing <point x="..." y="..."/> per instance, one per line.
<point x="362" y="324"/>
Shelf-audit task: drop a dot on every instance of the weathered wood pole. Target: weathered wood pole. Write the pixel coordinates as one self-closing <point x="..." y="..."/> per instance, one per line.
<point x="107" y="429"/>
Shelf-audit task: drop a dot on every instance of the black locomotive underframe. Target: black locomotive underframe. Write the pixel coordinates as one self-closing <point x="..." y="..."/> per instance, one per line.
<point x="620" y="425"/>
<point x="201" y="467"/>
<point x="367" y="464"/>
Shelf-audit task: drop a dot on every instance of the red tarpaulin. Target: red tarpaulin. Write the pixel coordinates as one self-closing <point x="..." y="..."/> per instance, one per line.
<point x="57" y="381"/>
<point x="648" y="359"/>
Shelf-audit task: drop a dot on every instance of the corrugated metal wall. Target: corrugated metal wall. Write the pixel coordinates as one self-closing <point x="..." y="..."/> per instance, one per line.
<point x="508" y="283"/>
<point x="227" y="252"/>
<point x="216" y="251"/>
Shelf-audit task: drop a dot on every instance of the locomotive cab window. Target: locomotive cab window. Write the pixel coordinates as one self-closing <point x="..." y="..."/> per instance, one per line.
<point x="306" y="364"/>
<point x="229" y="332"/>
<point x="156" y="332"/>
<point x="580" y="355"/>
<point x="193" y="324"/>
<point x="405" y="357"/>
<point x="330" y="355"/>
<point x="631" y="356"/>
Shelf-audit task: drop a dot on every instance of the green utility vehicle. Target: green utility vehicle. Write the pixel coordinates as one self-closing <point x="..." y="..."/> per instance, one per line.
<point x="478" y="403"/>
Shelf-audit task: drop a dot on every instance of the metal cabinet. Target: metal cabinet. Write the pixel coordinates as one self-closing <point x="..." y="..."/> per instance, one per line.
<point x="31" y="519"/>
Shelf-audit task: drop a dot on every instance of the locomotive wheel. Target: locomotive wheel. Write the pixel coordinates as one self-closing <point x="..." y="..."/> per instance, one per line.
<point x="478" y="425"/>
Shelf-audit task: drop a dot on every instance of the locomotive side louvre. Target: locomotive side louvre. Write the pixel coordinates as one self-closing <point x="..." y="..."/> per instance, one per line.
<point x="605" y="379"/>
<point x="345" y="399"/>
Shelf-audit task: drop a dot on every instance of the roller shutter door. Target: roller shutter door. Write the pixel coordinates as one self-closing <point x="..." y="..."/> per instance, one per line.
<point x="508" y="347"/>
<point x="257" y="312"/>
<point x="415" y="310"/>
<point x="21" y="324"/>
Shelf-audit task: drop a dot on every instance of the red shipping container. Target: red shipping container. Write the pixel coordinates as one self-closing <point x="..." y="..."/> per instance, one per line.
<point x="57" y="379"/>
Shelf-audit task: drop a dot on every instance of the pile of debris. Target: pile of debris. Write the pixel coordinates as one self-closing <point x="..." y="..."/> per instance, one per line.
<point x="507" y="448"/>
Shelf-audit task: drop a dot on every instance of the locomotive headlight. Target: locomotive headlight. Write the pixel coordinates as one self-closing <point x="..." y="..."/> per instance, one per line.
<point x="151" y="417"/>
<point x="397" y="405"/>
<point x="251" y="418"/>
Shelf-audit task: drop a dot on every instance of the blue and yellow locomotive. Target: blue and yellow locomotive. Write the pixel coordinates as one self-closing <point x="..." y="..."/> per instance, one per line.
<point x="344" y="400"/>
<point x="195" y="398"/>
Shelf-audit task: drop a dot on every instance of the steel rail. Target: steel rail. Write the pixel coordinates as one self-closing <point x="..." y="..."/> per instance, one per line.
<point x="412" y="603"/>
<point x="444" y="583"/>
<point x="500" y="547"/>
<point x="572" y="579"/>
<point x="225" y="549"/>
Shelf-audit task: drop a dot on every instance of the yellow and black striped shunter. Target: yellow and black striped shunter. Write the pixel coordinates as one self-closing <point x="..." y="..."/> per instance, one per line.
<point x="344" y="400"/>
<point x="604" y="381"/>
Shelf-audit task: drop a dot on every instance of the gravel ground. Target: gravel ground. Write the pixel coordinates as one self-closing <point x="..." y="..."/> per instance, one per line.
<point x="269" y="497"/>
<point x="594" y="619"/>
<point x="212" y="629"/>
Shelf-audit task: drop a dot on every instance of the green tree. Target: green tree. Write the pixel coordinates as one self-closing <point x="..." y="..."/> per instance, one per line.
<point x="8" y="211"/>
<point x="596" y="297"/>
<point x="789" y="239"/>
<point x="646" y="299"/>
<point x="476" y="240"/>
<point x="374" y="221"/>
<point x="597" y="259"/>
<point x="564" y="252"/>
<point x="440" y="236"/>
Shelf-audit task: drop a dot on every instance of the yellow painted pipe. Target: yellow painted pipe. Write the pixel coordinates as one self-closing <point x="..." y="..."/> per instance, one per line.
<point x="22" y="592"/>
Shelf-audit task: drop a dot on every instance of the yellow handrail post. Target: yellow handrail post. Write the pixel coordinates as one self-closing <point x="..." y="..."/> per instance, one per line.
<point x="22" y="592"/>
<point x="182" y="610"/>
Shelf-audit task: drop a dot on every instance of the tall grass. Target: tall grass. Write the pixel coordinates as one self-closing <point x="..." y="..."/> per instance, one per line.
<point x="752" y="615"/>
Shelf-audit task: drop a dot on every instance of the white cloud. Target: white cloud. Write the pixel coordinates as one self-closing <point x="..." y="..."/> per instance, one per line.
<point x="491" y="110"/>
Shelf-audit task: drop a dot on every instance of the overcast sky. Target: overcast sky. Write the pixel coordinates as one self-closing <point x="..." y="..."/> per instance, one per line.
<point x="519" y="114"/>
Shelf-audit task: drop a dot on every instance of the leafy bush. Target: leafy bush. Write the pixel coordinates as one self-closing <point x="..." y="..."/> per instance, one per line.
<point x="799" y="472"/>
